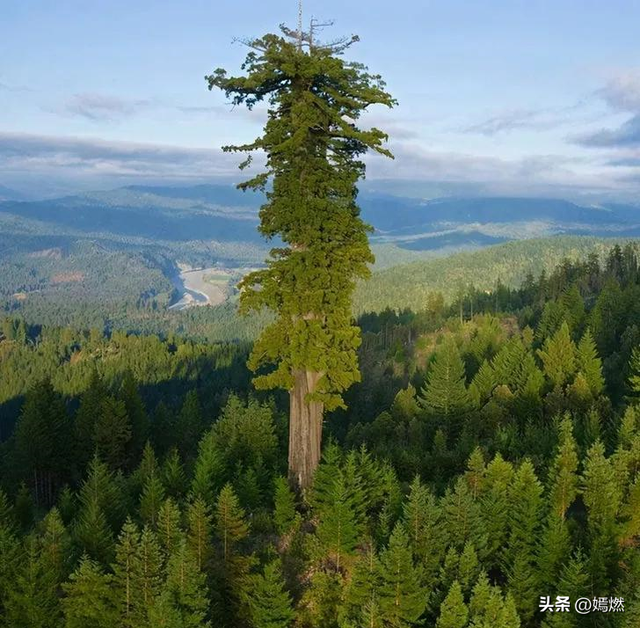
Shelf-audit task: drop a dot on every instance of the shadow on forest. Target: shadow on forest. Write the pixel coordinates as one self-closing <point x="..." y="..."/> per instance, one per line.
<point x="213" y="386"/>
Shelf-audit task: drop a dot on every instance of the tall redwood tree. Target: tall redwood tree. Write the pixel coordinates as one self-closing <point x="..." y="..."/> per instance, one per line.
<point x="313" y="150"/>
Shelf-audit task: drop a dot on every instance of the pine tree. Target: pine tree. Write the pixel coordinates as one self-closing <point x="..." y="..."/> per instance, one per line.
<point x="209" y="471"/>
<point x="247" y="487"/>
<point x="555" y="542"/>
<point x="99" y="512"/>
<point x="360" y="607"/>
<point x="468" y="567"/>
<point x="402" y="599"/>
<point x="476" y="472"/>
<point x="554" y="549"/>
<point x="573" y="305"/>
<point x="168" y="529"/>
<point x="320" y="495"/>
<point x="634" y="369"/>
<point x="246" y="432"/>
<point x="553" y="315"/>
<point x="190" y="424"/>
<point x="137" y="574"/>
<point x="480" y="595"/>
<point x="32" y="599"/>
<point x="558" y="355"/>
<point x="453" y="611"/>
<point x="338" y="528"/>
<point x="42" y="443"/>
<point x="173" y="475"/>
<point x="494" y="504"/>
<point x="482" y="385"/>
<point x="151" y="499"/>
<point x="285" y="514"/>
<point x="147" y="468"/>
<point x="445" y="393"/>
<point x="363" y="492"/>
<point x="574" y="582"/>
<point x="85" y="419"/>
<point x="488" y="608"/>
<point x="311" y="206"/>
<point x="602" y="497"/>
<point x="463" y="520"/>
<point x="89" y="597"/>
<point x="149" y="566"/>
<point x="184" y="592"/>
<point x="514" y="366"/>
<point x="55" y="545"/>
<point x="525" y="508"/>
<point x="422" y="519"/>
<point x="112" y="433"/>
<point x="199" y="530"/>
<point x="563" y="478"/>
<point x="230" y="526"/>
<point x="125" y="573"/>
<point x="589" y="364"/>
<point x="269" y="603"/>
<point x="137" y="415"/>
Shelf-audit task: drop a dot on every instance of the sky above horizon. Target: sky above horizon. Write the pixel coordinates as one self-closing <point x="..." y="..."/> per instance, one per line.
<point x="495" y="97"/>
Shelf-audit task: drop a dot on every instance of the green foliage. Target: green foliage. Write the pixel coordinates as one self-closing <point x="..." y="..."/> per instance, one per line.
<point x="269" y="603"/>
<point x="361" y="607"/>
<point x="230" y="526"/>
<point x="189" y="423"/>
<point x="93" y="530"/>
<point x="89" y="597"/>
<point x="409" y="522"/>
<point x="199" y="531"/>
<point x="42" y="440"/>
<point x="445" y="393"/>
<point x="112" y="433"/>
<point x="184" y="592"/>
<point x="634" y="379"/>
<point x="453" y="612"/>
<point x="602" y="497"/>
<point x="313" y="162"/>
<point x="559" y="356"/>
<point x="422" y="518"/>
<point x="168" y="527"/>
<point x="338" y="529"/>
<point x="402" y="600"/>
<point x="285" y="515"/>
<point x="589" y="364"/>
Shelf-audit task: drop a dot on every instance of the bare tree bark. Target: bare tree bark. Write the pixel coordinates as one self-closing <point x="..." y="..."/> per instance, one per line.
<point x="305" y="429"/>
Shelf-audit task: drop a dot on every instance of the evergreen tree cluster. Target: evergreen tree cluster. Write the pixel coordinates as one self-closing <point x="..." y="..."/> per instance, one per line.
<point x="502" y="466"/>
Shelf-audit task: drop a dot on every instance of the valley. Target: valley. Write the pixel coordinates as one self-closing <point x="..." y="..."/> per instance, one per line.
<point x="201" y="286"/>
<point x="146" y="259"/>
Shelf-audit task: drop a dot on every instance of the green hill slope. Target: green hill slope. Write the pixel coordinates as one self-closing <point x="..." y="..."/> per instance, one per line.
<point x="408" y="285"/>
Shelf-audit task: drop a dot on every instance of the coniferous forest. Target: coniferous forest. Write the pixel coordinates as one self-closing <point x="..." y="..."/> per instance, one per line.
<point x="473" y="462"/>
<point x="484" y="461"/>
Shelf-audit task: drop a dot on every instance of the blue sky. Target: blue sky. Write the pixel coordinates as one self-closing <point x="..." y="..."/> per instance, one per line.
<point x="509" y="97"/>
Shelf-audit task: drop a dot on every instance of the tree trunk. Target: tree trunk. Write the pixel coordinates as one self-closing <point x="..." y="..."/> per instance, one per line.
<point x="305" y="429"/>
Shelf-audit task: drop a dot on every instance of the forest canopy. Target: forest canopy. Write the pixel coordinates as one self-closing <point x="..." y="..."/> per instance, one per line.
<point x="488" y="458"/>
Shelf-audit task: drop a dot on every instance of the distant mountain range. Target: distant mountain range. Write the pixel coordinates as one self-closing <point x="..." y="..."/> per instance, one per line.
<point x="106" y="259"/>
<point x="7" y="194"/>
<point x="224" y="214"/>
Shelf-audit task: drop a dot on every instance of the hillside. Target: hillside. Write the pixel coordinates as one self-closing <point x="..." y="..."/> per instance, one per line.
<point x="130" y="461"/>
<point x="111" y="258"/>
<point x="142" y="214"/>
<point x="408" y="285"/>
